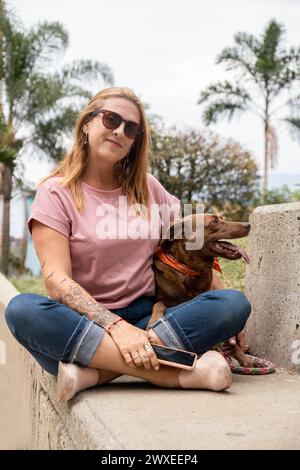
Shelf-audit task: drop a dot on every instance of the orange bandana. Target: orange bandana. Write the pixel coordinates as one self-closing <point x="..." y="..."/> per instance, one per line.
<point x="216" y="265"/>
<point x="182" y="268"/>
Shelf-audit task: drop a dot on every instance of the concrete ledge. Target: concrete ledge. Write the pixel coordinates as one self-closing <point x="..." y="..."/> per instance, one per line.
<point x="273" y="283"/>
<point x="31" y="418"/>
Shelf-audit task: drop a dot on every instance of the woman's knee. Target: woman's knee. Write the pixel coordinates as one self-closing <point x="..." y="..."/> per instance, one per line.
<point x="19" y="310"/>
<point x="238" y="307"/>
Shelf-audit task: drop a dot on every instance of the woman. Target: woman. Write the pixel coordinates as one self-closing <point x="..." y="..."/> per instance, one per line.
<point x="101" y="286"/>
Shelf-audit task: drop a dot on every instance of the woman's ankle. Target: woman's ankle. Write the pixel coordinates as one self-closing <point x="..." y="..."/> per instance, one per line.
<point x="106" y="376"/>
<point x="211" y="372"/>
<point x="71" y="379"/>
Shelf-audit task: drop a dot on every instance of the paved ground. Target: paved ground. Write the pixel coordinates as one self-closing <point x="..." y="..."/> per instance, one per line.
<point x="257" y="413"/>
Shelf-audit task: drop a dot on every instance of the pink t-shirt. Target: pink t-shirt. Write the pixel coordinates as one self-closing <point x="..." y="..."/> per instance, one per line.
<point x="111" y="248"/>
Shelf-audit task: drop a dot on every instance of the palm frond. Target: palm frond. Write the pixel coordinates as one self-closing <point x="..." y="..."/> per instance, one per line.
<point x="271" y="39"/>
<point x="50" y="136"/>
<point x="247" y="41"/>
<point x="288" y="71"/>
<point x="241" y="57"/>
<point x="15" y="53"/>
<point x="84" y="70"/>
<point x="223" y="89"/>
<point x="294" y="126"/>
<point x="236" y="59"/>
<point x="223" y="99"/>
<point x="269" y="64"/>
<point x="221" y="109"/>
<point x="47" y="40"/>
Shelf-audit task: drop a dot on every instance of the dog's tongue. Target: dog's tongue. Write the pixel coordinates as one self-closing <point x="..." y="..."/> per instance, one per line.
<point x="244" y="254"/>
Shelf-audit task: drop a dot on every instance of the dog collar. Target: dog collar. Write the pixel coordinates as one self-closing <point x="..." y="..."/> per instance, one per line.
<point x="183" y="268"/>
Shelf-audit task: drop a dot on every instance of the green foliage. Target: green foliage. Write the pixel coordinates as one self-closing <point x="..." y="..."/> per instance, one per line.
<point x="296" y="196"/>
<point x="227" y="100"/>
<point x="234" y="272"/>
<point x="281" y="196"/>
<point x="7" y="150"/>
<point x="202" y="168"/>
<point x="294" y="124"/>
<point x="27" y="283"/>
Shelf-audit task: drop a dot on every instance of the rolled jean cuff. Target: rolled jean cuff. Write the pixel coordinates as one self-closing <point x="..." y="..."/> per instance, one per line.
<point x="89" y="344"/>
<point x="170" y="332"/>
<point x="83" y="343"/>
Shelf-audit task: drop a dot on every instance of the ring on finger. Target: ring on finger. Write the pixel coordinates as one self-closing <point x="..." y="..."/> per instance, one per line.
<point x="145" y="355"/>
<point x="135" y="356"/>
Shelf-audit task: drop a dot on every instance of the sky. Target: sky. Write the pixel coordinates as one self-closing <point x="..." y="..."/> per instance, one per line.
<point x="165" y="50"/>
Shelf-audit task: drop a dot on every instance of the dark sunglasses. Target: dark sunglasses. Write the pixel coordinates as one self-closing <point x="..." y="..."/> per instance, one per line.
<point x="113" y="120"/>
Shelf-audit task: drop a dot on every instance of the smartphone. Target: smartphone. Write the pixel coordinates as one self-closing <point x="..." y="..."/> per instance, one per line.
<point x="175" y="357"/>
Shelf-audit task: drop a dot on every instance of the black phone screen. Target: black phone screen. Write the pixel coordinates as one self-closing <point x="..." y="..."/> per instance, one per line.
<point x="185" y="358"/>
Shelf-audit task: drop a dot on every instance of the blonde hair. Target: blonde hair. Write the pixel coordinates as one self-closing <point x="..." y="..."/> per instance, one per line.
<point x="133" y="174"/>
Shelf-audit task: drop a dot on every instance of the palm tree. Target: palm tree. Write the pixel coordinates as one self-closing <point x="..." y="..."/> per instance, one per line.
<point x="38" y="103"/>
<point x="294" y="123"/>
<point x="264" y="71"/>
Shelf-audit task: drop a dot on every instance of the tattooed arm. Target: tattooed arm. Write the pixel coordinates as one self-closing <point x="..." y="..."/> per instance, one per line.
<point x="54" y="254"/>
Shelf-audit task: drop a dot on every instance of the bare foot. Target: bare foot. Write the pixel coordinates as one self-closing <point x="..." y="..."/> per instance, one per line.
<point x="71" y="379"/>
<point x="211" y="372"/>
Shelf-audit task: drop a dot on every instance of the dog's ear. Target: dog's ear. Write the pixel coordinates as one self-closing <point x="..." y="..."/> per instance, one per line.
<point x="173" y="232"/>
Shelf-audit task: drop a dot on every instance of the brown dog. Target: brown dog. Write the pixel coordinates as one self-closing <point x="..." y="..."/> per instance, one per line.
<point x="181" y="274"/>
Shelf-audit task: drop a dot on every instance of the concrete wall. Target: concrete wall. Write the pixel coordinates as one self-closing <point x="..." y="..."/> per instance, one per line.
<point x="30" y="416"/>
<point x="15" y="385"/>
<point x="273" y="282"/>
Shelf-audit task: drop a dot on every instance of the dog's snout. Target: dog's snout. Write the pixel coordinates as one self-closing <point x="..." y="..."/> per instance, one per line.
<point x="247" y="226"/>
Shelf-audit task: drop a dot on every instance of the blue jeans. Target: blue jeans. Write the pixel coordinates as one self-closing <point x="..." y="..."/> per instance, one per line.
<point x="53" y="332"/>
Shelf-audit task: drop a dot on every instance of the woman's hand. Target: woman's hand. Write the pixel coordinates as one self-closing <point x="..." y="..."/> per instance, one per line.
<point x="134" y="345"/>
